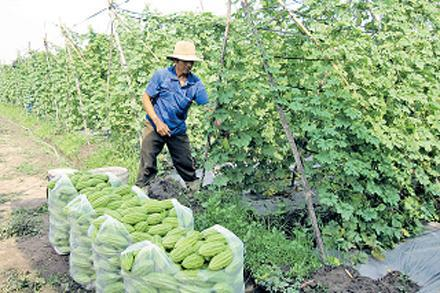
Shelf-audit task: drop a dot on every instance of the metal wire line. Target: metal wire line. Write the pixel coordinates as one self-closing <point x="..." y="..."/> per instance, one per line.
<point x="99" y="12"/>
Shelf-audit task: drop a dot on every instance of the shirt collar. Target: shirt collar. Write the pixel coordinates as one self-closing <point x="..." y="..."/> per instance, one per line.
<point x="190" y="78"/>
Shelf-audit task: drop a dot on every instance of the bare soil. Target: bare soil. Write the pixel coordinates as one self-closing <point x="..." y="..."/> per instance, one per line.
<point x="346" y="279"/>
<point x="26" y="261"/>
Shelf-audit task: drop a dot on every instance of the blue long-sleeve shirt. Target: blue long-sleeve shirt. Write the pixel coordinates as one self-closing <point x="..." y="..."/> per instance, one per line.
<point x="171" y="101"/>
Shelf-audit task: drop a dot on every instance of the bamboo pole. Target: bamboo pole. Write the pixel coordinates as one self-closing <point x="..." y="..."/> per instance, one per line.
<point x="49" y="69"/>
<point x="282" y="116"/>
<point x="222" y="66"/>
<point x="78" y="89"/>
<point x="67" y="80"/>
<point x="133" y="101"/>
<point x="201" y="5"/>
<point x="127" y="27"/>
<point x="69" y="40"/>
<point x="122" y="58"/>
<point x="109" y="67"/>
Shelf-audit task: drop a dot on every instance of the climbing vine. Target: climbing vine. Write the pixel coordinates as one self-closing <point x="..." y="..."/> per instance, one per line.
<point x="362" y="101"/>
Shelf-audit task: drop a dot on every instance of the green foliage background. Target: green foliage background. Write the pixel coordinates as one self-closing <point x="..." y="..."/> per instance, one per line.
<point x="363" y="105"/>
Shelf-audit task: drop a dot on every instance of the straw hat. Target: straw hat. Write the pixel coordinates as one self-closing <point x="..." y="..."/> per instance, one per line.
<point x="184" y="50"/>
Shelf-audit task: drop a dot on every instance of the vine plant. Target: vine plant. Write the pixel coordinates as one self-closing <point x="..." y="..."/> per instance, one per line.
<point x="369" y="130"/>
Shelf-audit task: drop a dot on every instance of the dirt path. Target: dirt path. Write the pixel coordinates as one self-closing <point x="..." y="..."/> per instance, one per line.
<point x="27" y="261"/>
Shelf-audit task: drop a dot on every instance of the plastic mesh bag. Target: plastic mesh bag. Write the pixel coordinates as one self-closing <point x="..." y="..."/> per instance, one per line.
<point x="109" y="238"/>
<point x="210" y="261"/>
<point x="113" y="180"/>
<point x="142" y="259"/>
<point x="59" y="196"/>
<point x="81" y="214"/>
<point x="184" y="215"/>
<point x="141" y="218"/>
<point x="150" y="219"/>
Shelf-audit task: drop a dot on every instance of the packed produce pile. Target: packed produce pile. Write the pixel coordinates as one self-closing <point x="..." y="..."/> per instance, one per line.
<point x="120" y="240"/>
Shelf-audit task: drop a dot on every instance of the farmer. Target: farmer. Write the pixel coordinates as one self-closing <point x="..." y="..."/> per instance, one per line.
<point x="166" y="100"/>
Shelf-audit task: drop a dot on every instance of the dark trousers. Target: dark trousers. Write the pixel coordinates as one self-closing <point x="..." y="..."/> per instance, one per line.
<point x="152" y="145"/>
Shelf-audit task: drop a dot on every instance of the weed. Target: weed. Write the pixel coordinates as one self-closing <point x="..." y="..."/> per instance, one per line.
<point x="27" y="169"/>
<point x="69" y="143"/>
<point x="6" y="197"/>
<point x="22" y="282"/>
<point x="23" y="222"/>
<point x="65" y="283"/>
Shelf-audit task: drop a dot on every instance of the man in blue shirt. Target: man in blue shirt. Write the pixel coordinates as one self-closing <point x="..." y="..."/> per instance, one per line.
<point x="166" y="100"/>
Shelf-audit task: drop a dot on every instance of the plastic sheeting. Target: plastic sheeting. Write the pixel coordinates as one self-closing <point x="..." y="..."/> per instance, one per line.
<point x="59" y="228"/>
<point x="150" y="269"/>
<point x="81" y="214"/>
<point x="418" y="258"/>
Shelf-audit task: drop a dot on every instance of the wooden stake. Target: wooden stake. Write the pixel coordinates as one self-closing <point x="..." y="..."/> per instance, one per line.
<point x="49" y="69"/>
<point x="127" y="27"/>
<point x="282" y="115"/>
<point x="110" y="61"/>
<point x="78" y="89"/>
<point x="116" y="36"/>
<point x="222" y="66"/>
<point x="122" y="58"/>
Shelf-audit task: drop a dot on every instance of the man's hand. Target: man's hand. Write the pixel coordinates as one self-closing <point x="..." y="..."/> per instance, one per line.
<point x="162" y="128"/>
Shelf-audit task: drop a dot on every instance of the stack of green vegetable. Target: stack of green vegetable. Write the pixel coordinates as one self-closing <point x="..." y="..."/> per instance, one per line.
<point x="81" y="214"/>
<point x="109" y="238"/>
<point x="167" y="255"/>
<point x="208" y="261"/>
<point x="136" y="219"/>
<point x="140" y="260"/>
<point x="103" y="197"/>
<point x="61" y="193"/>
<point x="82" y="211"/>
<point x="153" y="219"/>
<point x="65" y="189"/>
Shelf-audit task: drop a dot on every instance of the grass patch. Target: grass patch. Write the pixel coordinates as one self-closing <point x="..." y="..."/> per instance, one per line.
<point x="45" y="129"/>
<point x="22" y="282"/>
<point x="27" y="169"/>
<point x="69" y="143"/>
<point x="64" y="283"/>
<point x="42" y="128"/>
<point x="24" y="222"/>
<point x="7" y="197"/>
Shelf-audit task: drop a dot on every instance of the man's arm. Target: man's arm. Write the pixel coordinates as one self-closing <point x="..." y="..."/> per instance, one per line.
<point x="161" y="127"/>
